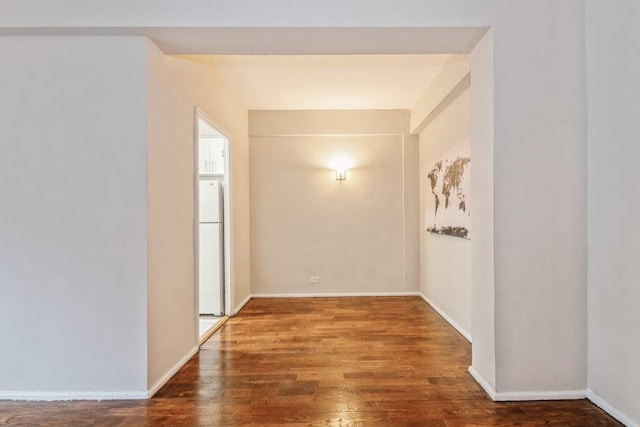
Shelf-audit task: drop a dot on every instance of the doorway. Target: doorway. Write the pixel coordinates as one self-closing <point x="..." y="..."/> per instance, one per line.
<point x="212" y="225"/>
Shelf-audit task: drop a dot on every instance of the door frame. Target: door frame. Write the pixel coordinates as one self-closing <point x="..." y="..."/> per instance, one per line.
<point x="199" y="114"/>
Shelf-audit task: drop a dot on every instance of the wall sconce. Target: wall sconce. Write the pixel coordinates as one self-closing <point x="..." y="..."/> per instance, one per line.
<point x="341" y="174"/>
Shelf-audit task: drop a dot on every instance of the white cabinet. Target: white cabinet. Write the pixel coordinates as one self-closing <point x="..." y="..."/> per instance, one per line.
<point x="211" y="156"/>
<point x="203" y="156"/>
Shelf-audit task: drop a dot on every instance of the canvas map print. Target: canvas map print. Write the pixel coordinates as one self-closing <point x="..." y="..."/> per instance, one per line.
<point x="447" y="209"/>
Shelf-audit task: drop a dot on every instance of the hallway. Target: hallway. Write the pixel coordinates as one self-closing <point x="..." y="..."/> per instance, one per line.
<point x="320" y="361"/>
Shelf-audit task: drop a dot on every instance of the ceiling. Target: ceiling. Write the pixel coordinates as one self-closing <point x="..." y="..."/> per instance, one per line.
<point x="306" y="82"/>
<point x="224" y="40"/>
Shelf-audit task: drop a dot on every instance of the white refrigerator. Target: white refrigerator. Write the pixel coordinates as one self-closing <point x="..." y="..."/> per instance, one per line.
<point x="211" y="244"/>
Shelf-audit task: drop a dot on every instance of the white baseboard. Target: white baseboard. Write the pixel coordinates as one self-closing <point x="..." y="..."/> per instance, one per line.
<point x="72" y="395"/>
<point x="98" y="395"/>
<point x="242" y="304"/>
<point x="333" y="295"/>
<point x="488" y="388"/>
<point x="611" y="410"/>
<point x="449" y="320"/>
<point x="170" y="373"/>
<point x="516" y="396"/>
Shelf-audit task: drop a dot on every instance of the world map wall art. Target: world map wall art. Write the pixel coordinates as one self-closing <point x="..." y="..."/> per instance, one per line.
<point x="447" y="209"/>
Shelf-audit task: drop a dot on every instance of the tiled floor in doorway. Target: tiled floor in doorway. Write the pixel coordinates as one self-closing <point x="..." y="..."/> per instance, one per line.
<point x="208" y="322"/>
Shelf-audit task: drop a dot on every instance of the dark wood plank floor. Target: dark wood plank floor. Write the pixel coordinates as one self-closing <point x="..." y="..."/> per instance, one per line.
<point x="320" y="361"/>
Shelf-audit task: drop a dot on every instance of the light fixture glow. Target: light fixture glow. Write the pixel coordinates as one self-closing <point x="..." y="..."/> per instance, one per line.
<point x="341" y="173"/>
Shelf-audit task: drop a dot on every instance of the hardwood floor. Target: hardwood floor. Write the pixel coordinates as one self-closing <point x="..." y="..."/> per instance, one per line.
<point x="367" y="361"/>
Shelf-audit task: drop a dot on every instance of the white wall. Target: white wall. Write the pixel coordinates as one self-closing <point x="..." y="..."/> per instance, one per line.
<point x="445" y="261"/>
<point x="540" y="199"/>
<point x="175" y="87"/>
<point x="73" y="243"/>
<point x="436" y="95"/>
<point x="411" y="196"/>
<point x="483" y="330"/>
<point x="305" y="223"/>
<point x="614" y="180"/>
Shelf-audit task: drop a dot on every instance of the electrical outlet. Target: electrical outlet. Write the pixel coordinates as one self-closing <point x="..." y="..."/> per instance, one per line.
<point x="315" y="279"/>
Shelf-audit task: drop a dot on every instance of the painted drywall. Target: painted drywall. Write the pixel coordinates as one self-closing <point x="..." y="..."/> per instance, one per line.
<point x="175" y="88"/>
<point x="73" y="239"/>
<point x="326" y="82"/>
<point x="411" y="196"/>
<point x="483" y="350"/>
<point x="445" y="261"/>
<point x="538" y="127"/>
<point x="539" y="160"/>
<point x="306" y="223"/>
<point x="614" y="179"/>
<point x="451" y="72"/>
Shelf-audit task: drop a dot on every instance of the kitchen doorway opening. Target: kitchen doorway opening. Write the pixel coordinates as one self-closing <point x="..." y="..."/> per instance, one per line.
<point x="212" y="225"/>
